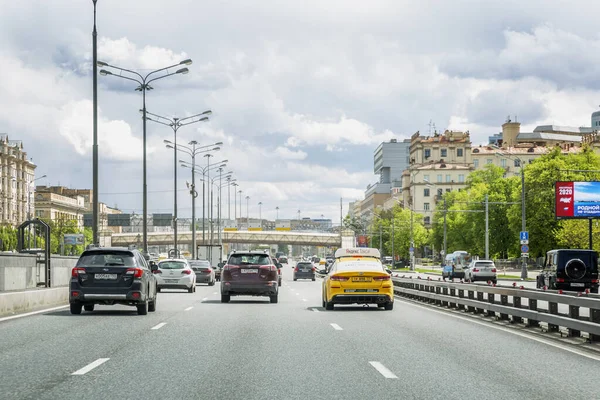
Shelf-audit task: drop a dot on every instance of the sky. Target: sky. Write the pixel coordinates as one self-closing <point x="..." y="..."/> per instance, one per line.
<point x="302" y="92"/>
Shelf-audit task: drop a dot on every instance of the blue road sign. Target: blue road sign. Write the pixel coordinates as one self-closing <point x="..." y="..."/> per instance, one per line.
<point x="524" y="235"/>
<point x="411" y="250"/>
<point x="524" y="249"/>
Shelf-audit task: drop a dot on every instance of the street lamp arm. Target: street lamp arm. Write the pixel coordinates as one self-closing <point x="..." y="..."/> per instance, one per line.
<point x="158" y="116"/>
<point x="160" y="77"/>
<point x="163" y="69"/>
<point x="122" y="77"/>
<point x="103" y="64"/>
<point x="182" y="148"/>
<point x="207" y="112"/>
<point x="203" y="119"/>
<point x="159" y="122"/>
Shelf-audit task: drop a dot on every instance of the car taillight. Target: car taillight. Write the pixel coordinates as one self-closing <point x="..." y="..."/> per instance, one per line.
<point x="381" y="278"/>
<point x="339" y="278"/>
<point x="158" y="271"/>
<point x="313" y="269"/>
<point x="296" y="269"/>
<point x="208" y="271"/>
<point x="76" y="271"/>
<point x="560" y="279"/>
<point x="136" y="272"/>
<point x="475" y="269"/>
<point x="493" y="269"/>
<point x="594" y="280"/>
<point x="186" y="271"/>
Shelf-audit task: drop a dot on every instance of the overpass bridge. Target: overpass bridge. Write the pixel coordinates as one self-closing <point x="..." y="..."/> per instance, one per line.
<point x="242" y="237"/>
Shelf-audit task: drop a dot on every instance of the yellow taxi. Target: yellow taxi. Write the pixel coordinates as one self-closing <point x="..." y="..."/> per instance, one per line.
<point x="358" y="277"/>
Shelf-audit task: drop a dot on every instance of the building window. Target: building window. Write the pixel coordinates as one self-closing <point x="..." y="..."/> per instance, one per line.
<point x="476" y="163"/>
<point x="489" y="161"/>
<point x="517" y="163"/>
<point x="440" y="192"/>
<point x="443" y="152"/>
<point x="426" y="206"/>
<point x="426" y="178"/>
<point x="439" y="178"/>
<point x="503" y="161"/>
<point x="427" y="220"/>
<point x="448" y="178"/>
<point x="461" y="178"/>
<point x="448" y="190"/>
<point x="427" y="153"/>
<point x="459" y="152"/>
<point x="426" y="192"/>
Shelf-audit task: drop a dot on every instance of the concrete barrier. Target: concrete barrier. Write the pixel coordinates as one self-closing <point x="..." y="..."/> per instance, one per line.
<point x="21" y="271"/>
<point x="29" y="300"/>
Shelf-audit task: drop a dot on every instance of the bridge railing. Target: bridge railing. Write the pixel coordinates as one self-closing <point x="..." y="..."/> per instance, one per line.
<point x="513" y="304"/>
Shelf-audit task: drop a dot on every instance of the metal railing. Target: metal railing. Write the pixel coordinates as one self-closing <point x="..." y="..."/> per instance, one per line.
<point x="514" y="304"/>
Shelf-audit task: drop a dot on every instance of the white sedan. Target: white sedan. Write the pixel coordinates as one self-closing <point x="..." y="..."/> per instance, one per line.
<point x="175" y="273"/>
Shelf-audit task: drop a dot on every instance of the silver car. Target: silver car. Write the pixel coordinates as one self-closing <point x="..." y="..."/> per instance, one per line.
<point x="175" y="273"/>
<point x="481" y="270"/>
<point x="204" y="272"/>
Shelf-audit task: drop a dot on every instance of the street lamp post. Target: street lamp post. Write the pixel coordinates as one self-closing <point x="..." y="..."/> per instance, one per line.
<point x="95" y="202"/>
<point x="193" y="151"/>
<point x="144" y="85"/>
<point x="235" y="185"/>
<point x="240" y="193"/>
<point x="175" y="124"/>
<point x="277" y="210"/>
<point x="260" y="212"/>
<point x="247" y="208"/>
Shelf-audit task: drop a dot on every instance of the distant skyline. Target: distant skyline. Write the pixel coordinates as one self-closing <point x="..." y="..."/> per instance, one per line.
<point x="302" y="92"/>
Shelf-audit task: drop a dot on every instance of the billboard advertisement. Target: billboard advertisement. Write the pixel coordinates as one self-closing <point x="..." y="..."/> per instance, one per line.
<point x="75" y="239"/>
<point x="577" y="200"/>
<point x="362" y="241"/>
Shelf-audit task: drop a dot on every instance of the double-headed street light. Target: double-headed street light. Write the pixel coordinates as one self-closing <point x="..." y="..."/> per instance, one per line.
<point x="500" y="153"/>
<point x="192" y="150"/>
<point x="175" y="124"/>
<point x="144" y="84"/>
<point x="235" y="185"/>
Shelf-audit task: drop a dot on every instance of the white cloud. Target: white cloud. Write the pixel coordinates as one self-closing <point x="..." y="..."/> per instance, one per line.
<point x="288" y="154"/>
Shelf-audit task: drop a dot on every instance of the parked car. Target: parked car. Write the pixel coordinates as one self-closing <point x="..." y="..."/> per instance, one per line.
<point x="481" y="270"/>
<point x="305" y="270"/>
<point x="570" y="269"/>
<point x="204" y="272"/>
<point x="112" y="275"/>
<point x="250" y="273"/>
<point x="176" y="273"/>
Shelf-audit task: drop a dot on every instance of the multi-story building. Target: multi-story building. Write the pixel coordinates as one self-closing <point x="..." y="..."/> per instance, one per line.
<point x="16" y="180"/>
<point x="389" y="161"/>
<point x="56" y="207"/>
<point x="438" y="164"/>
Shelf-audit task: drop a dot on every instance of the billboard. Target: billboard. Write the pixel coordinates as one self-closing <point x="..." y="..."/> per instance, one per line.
<point x="76" y="239"/>
<point x="119" y="219"/>
<point x="162" y="219"/>
<point x="362" y="241"/>
<point x="577" y="199"/>
<point x="87" y="220"/>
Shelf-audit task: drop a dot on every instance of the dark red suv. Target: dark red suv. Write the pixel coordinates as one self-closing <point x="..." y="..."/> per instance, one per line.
<point x="249" y="273"/>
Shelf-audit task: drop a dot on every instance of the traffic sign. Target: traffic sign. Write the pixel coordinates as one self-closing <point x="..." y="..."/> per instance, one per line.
<point x="524" y="235"/>
<point x="524" y="249"/>
<point x="412" y="249"/>
<point x="524" y="241"/>
<point x="525" y="255"/>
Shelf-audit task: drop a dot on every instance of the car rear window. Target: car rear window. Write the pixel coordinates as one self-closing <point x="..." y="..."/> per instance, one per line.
<point x="106" y="258"/>
<point x="171" y="265"/>
<point x="249" y="259"/>
<point x="304" y="265"/>
<point x="484" y="264"/>
<point x="201" y="264"/>
<point x="360" y="266"/>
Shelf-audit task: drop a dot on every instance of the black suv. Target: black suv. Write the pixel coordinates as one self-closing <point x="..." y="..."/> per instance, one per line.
<point x="570" y="269"/>
<point x="112" y="275"/>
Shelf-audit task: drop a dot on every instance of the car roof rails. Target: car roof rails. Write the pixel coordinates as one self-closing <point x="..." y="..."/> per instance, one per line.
<point x="92" y="246"/>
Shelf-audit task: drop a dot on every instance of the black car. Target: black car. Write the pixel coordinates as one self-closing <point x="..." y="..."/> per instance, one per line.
<point x="304" y="270"/>
<point x="570" y="269"/>
<point x="112" y="275"/>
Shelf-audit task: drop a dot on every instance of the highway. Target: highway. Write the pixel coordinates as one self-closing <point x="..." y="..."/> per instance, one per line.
<point x="194" y="347"/>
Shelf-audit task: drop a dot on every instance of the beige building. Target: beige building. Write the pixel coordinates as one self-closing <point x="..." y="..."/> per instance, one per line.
<point x="438" y="164"/>
<point x="16" y="190"/>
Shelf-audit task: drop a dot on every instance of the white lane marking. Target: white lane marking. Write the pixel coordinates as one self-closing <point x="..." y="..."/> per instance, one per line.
<point x="159" y="325"/>
<point x="304" y="300"/>
<point x="90" y="367"/>
<point x="336" y="327"/>
<point x="32" y="313"/>
<point x="383" y="370"/>
<point x="315" y="310"/>
<point x="204" y="299"/>
<point x="188" y="309"/>
<point x="500" y="328"/>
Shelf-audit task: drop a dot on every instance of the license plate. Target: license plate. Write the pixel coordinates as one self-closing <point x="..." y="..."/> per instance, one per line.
<point x="304" y="270"/>
<point x="105" y="276"/>
<point x="361" y="279"/>
<point x="578" y="284"/>
<point x="361" y="290"/>
<point x="171" y="280"/>
<point x="249" y="271"/>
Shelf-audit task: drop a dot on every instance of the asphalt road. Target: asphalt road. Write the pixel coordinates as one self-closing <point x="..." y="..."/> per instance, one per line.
<point x="194" y="347"/>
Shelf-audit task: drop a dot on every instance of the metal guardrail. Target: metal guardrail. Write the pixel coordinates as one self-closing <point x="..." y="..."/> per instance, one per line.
<point x="482" y="299"/>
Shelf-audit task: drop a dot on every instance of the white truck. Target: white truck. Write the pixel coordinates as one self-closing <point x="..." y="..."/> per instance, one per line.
<point x="214" y="254"/>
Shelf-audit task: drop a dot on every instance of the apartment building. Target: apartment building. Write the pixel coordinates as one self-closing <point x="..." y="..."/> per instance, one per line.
<point x="17" y="174"/>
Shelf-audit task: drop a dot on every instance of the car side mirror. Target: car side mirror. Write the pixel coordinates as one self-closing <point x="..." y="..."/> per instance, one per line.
<point x="221" y="264"/>
<point x="153" y="266"/>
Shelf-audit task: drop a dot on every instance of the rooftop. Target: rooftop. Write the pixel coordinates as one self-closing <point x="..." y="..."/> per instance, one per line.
<point x="563" y="129"/>
<point x="548" y="136"/>
<point x="524" y="149"/>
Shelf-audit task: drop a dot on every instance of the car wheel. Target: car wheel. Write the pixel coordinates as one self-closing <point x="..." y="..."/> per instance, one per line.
<point x="295" y="279"/>
<point x="75" y="308"/>
<point x="594" y="290"/>
<point x="314" y="279"/>
<point x="225" y="298"/>
<point x="142" y="309"/>
<point x="88" y="307"/>
<point x="152" y="305"/>
<point x="212" y="283"/>
<point x="158" y="290"/>
<point x="389" y="306"/>
<point x="273" y="298"/>
<point x="191" y="289"/>
<point x="328" y="306"/>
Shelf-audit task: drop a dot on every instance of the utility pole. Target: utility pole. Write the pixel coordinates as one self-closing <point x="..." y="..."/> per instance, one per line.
<point x="445" y="236"/>
<point x="95" y="204"/>
<point x="487" y="229"/>
<point x="523" y="227"/>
